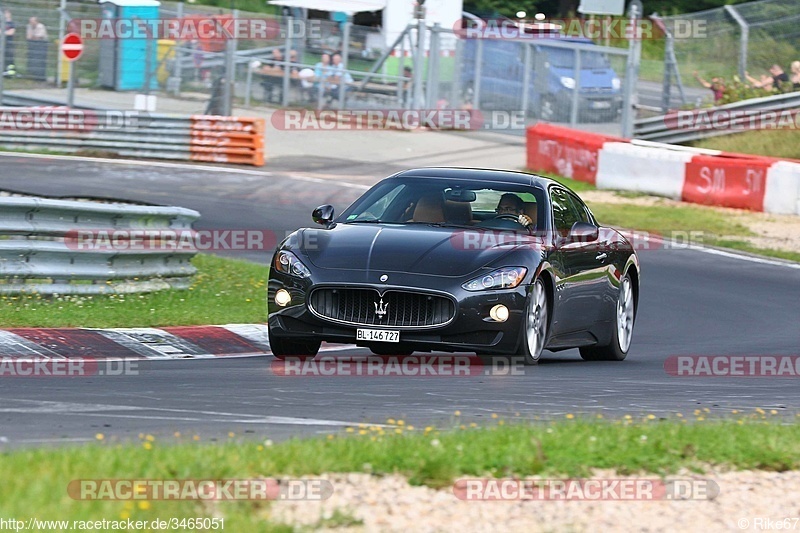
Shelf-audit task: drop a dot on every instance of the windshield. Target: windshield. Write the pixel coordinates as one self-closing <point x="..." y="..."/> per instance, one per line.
<point x="440" y="201"/>
<point x="563" y="58"/>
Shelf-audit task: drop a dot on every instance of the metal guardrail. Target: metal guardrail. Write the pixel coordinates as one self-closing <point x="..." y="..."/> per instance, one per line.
<point x="731" y="118"/>
<point x="41" y="250"/>
<point x="207" y="138"/>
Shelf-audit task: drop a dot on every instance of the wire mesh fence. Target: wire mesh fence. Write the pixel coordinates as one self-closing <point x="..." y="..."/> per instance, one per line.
<point x="556" y="80"/>
<point x="728" y="43"/>
<point x="324" y="63"/>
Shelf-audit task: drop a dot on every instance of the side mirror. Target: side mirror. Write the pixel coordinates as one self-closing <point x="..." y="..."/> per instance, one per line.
<point x="323" y="215"/>
<point x="583" y="232"/>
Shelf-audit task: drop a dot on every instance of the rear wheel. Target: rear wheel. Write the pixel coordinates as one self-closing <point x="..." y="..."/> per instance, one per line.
<point x="285" y="348"/>
<point x="534" y="332"/>
<point x="623" y="330"/>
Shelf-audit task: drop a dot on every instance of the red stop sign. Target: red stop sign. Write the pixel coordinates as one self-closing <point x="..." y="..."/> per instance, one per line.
<point x="72" y="47"/>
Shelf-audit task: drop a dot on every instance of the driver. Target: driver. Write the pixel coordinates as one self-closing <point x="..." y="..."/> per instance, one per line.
<point x="511" y="204"/>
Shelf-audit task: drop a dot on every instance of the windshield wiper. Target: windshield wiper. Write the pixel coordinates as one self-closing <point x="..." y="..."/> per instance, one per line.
<point x="373" y="221"/>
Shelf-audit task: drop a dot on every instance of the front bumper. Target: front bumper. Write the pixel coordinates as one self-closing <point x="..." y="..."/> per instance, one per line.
<point x="470" y="331"/>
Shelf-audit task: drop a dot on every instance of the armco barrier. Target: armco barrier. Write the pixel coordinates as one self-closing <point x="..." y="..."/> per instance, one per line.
<point x="700" y="176"/>
<point x="135" y="134"/>
<point x="39" y="252"/>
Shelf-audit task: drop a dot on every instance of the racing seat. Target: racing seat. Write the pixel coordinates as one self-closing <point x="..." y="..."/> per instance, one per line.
<point x="458" y="212"/>
<point x="429" y="209"/>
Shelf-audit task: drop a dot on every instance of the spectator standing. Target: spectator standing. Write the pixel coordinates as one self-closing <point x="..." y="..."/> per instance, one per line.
<point x="795" y="76"/>
<point x="36" y="35"/>
<point x="11" y="29"/>
<point x="717" y="86"/>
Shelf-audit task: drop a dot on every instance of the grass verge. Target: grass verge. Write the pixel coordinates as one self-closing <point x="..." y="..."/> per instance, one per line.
<point x="771" y="143"/>
<point x="427" y="456"/>
<point x="224" y="291"/>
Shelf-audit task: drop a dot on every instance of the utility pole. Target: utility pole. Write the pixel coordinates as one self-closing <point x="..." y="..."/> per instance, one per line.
<point x="419" y="14"/>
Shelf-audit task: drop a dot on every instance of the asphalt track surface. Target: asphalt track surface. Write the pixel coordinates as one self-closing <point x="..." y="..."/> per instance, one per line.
<point x="693" y="303"/>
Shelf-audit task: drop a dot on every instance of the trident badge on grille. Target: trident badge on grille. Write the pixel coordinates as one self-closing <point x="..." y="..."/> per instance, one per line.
<point x="381" y="309"/>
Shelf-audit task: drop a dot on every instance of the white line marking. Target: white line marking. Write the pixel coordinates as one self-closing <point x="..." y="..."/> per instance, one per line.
<point x="715" y="251"/>
<point x="187" y="166"/>
<point x="734" y="255"/>
<point x="78" y="409"/>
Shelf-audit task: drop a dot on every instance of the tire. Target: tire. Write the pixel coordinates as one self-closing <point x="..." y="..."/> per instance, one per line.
<point x="285" y="348"/>
<point x="623" y="328"/>
<point x="536" y="324"/>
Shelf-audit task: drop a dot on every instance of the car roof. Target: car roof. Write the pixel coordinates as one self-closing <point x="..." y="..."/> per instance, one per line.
<point x="477" y="174"/>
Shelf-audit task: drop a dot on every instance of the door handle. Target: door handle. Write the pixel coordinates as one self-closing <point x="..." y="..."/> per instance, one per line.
<point x="601" y="256"/>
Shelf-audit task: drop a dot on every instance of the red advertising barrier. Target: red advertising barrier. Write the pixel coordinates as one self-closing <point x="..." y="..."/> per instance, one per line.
<point x="564" y="151"/>
<point x="727" y="180"/>
<point x="740" y="181"/>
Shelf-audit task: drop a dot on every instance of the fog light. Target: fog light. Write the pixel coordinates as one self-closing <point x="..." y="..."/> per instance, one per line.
<point x="282" y="298"/>
<point x="499" y="313"/>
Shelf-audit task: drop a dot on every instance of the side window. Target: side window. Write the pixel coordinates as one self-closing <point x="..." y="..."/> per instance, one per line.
<point x="580" y="209"/>
<point x="564" y="213"/>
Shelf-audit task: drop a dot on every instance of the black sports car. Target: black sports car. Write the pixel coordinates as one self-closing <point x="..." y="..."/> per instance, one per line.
<point x="458" y="260"/>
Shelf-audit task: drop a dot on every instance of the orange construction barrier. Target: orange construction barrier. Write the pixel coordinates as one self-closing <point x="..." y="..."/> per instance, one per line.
<point x="227" y="140"/>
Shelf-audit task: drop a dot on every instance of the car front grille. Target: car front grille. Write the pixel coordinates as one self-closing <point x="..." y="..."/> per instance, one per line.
<point x="362" y="307"/>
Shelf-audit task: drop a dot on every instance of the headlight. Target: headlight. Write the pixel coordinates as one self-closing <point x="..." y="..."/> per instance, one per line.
<point x="616" y="84"/>
<point x="502" y="278"/>
<point x="568" y="82"/>
<point x="288" y="263"/>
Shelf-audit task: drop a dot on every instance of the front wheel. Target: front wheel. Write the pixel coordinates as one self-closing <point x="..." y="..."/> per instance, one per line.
<point x="534" y="332"/>
<point x="285" y="348"/>
<point x="623" y="330"/>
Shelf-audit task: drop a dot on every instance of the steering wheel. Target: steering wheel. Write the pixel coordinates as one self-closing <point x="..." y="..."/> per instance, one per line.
<point x="508" y="216"/>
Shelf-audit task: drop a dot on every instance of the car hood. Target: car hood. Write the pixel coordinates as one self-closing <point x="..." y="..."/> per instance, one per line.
<point x="420" y="249"/>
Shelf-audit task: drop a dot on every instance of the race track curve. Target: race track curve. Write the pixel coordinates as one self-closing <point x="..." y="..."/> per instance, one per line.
<point x="694" y="302"/>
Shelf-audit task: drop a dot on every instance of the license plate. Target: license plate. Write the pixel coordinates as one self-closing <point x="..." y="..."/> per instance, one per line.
<point x="601" y="105"/>
<point x="380" y="335"/>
